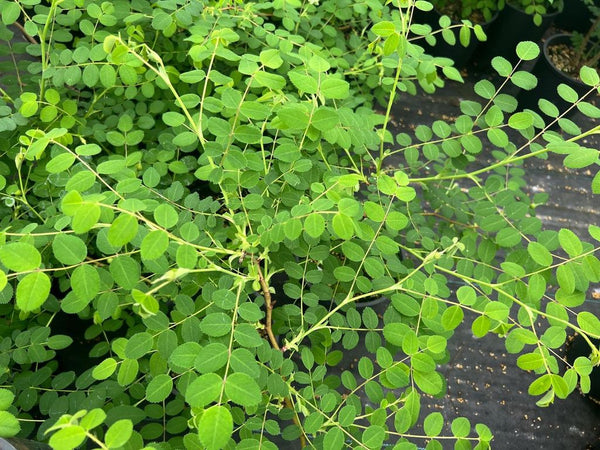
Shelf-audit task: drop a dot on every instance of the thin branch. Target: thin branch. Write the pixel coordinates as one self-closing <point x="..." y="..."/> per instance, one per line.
<point x="268" y="327"/>
<point x="269" y="306"/>
<point x="25" y="34"/>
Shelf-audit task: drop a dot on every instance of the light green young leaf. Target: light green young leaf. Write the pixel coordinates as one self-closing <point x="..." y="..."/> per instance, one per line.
<point x="154" y="245"/>
<point x="383" y="28"/>
<point x="314" y="225"/>
<point x="20" y="256"/>
<point x="68" y="438"/>
<point x="589" y="323"/>
<point x="60" y="163"/>
<point x="269" y="80"/>
<point x="461" y="427"/>
<point x="10" y="12"/>
<point x="303" y="82"/>
<point x="105" y="369"/>
<point x="128" y="371"/>
<point x="9" y="425"/>
<point x="433" y="424"/>
<point x="570" y="242"/>
<point x="215" y="427"/>
<point x="125" y="271"/>
<point x="527" y="50"/>
<point x="122" y="230"/>
<point x="85" y="282"/>
<point x="539" y="254"/>
<point x="93" y="418"/>
<point x="343" y="226"/>
<point x="165" y="215"/>
<point x="334" y="88"/>
<point x="119" y="433"/>
<point x="6" y="399"/>
<point x="520" y="121"/>
<point x="32" y="291"/>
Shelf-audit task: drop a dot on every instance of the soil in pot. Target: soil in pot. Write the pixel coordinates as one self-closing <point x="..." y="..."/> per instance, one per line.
<point x="553" y="68"/>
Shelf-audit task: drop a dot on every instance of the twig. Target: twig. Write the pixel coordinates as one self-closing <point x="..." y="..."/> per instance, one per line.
<point x="268" y="327"/>
<point x="269" y="306"/>
<point x="25" y="33"/>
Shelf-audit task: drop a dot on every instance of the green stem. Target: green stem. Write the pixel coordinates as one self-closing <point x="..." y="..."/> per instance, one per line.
<point x="43" y="45"/>
<point x="502" y="163"/>
<point x="388" y="110"/>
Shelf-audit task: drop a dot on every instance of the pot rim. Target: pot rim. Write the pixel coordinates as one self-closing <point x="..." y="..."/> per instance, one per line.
<point x="482" y="24"/>
<point x="552" y="40"/>
<point x="516" y="8"/>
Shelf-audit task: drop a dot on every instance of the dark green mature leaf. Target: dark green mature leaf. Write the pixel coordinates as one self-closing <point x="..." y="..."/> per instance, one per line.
<point x="247" y="336"/>
<point x="216" y="324"/>
<point x="184" y="356"/>
<point x="138" y="345"/>
<point x="159" y="388"/>
<point x="69" y="249"/>
<point x="334" y="439"/>
<point x="204" y="390"/>
<point x="242" y="389"/>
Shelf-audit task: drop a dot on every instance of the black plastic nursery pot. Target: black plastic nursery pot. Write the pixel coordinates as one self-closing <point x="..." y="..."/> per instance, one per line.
<point x="512" y="26"/>
<point x="458" y="53"/>
<point x="549" y="77"/>
<point x="575" y="16"/>
<point x="576" y="347"/>
<point x="22" y="444"/>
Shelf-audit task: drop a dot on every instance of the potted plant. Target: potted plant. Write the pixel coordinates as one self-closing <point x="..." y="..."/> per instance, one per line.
<point x="161" y="167"/>
<point x="517" y="17"/>
<point x="576" y="17"/>
<point x="566" y="59"/>
<point x="463" y="19"/>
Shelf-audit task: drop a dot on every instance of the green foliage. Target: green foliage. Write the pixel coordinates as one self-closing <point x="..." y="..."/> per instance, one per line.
<point x="537" y="8"/>
<point x="470" y="8"/>
<point x="587" y="48"/>
<point x="203" y="196"/>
